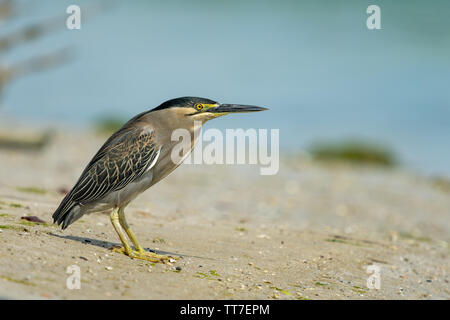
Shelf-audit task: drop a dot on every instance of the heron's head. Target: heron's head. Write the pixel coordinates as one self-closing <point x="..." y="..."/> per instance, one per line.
<point x="202" y="109"/>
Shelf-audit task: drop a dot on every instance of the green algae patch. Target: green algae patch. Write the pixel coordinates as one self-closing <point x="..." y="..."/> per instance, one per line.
<point x="5" y="215"/>
<point x="11" y="204"/>
<point x="410" y="236"/>
<point x="211" y="275"/>
<point x="158" y="240"/>
<point x="202" y="275"/>
<point x="336" y="240"/>
<point x="360" y="290"/>
<point x="322" y="284"/>
<point x="29" y="223"/>
<point x="35" y="190"/>
<point x="442" y="184"/>
<point x="214" y="273"/>
<point x="24" y="282"/>
<point x="339" y="239"/>
<point x="360" y="152"/>
<point x="281" y="290"/>
<point x="11" y="227"/>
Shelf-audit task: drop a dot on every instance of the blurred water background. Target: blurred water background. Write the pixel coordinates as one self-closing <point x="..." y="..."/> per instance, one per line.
<point x="315" y="64"/>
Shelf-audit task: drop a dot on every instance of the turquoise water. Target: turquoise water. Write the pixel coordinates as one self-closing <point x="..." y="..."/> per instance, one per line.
<point x="322" y="73"/>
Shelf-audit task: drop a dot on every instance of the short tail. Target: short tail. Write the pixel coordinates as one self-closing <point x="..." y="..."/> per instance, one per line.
<point x="67" y="213"/>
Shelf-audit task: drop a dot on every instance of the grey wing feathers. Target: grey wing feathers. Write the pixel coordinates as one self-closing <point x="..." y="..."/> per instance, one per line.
<point x="124" y="157"/>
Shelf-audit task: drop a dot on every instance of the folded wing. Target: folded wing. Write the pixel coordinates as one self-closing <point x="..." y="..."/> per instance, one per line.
<point x="124" y="157"/>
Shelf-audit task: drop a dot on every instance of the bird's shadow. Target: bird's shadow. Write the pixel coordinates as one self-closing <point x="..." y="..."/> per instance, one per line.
<point x="107" y="244"/>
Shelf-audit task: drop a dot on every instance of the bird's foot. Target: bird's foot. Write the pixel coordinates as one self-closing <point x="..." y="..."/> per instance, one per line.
<point x="143" y="255"/>
<point x="152" y="257"/>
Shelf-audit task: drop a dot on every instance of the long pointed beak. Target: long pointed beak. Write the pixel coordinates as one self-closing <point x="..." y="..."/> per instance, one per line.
<point x="235" y="108"/>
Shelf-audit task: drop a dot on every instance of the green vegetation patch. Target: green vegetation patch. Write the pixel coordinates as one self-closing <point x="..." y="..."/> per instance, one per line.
<point x="202" y="275"/>
<point x="35" y="190"/>
<point x="322" y="284"/>
<point x="360" y="290"/>
<point x="214" y="273"/>
<point x="442" y="184"/>
<point x="339" y="239"/>
<point x="336" y="240"/>
<point x="11" y="227"/>
<point x="211" y="275"/>
<point x="281" y="290"/>
<point x="354" y="152"/>
<point x="31" y="224"/>
<point x="27" y="283"/>
<point x="158" y="240"/>
<point x="407" y="235"/>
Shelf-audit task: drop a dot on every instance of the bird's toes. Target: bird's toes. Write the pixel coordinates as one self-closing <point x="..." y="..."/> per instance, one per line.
<point x="118" y="249"/>
<point x="153" y="257"/>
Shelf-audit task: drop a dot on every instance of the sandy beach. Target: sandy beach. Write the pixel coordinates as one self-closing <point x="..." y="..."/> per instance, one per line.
<point x="308" y="232"/>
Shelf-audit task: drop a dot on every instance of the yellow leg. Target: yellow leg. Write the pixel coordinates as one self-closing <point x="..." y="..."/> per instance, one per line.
<point x="115" y="222"/>
<point x="123" y="222"/>
<point x="119" y="221"/>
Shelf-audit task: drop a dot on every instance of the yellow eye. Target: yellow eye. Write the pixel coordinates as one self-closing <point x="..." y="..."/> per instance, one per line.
<point x="199" y="106"/>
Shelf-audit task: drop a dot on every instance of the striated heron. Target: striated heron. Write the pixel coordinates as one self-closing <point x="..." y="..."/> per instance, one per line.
<point x="133" y="159"/>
